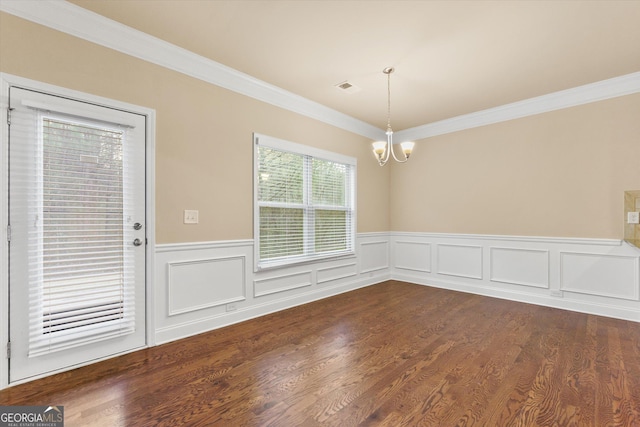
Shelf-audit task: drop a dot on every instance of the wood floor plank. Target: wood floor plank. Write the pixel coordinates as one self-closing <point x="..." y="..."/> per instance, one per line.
<point x="485" y="375"/>
<point x="392" y="354"/>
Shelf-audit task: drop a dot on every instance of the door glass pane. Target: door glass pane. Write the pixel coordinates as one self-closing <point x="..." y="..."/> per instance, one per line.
<point x="83" y="278"/>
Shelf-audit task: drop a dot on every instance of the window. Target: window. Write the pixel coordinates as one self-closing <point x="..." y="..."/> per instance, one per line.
<point x="304" y="203"/>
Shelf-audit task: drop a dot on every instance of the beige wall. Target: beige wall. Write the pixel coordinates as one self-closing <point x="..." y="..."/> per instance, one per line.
<point x="203" y="132"/>
<point x="559" y="174"/>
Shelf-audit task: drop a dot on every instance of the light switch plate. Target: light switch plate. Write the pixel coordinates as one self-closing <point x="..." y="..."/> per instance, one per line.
<point x="190" y="216"/>
<point x="633" y="217"/>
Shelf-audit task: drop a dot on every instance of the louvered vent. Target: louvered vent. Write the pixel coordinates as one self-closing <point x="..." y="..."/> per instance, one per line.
<point x="347" y="87"/>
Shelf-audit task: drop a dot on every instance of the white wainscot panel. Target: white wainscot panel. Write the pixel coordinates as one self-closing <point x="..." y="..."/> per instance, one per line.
<point x="528" y="267"/>
<point x="337" y="272"/>
<point x="599" y="274"/>
<point x="281" y="283"/>
<point x="460" y="260"/>
<point x="374" y="256"/>
<point x="197" y="284"/>
<point x="414" y="256"/>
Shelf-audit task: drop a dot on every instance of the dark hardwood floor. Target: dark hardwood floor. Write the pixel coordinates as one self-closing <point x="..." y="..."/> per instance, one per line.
<point x="393" y="354"/>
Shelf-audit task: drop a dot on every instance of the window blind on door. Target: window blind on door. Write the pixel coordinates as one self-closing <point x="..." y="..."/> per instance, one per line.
<point x="76" y="196"/>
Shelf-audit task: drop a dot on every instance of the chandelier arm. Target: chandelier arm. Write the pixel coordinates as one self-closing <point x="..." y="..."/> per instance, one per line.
<point x="388" y="150"/>
<point x="393" y="153"/>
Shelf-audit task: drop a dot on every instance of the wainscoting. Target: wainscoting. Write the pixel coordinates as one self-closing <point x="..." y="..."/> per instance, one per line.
<point x="204" y="286"/>
<point x="597" y="276"/>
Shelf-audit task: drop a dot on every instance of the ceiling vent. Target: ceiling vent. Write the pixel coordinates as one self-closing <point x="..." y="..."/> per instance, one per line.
<point x="348" y="87"/>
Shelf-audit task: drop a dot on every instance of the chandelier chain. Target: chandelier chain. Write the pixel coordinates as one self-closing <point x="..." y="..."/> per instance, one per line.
<point x="389" y="100"/>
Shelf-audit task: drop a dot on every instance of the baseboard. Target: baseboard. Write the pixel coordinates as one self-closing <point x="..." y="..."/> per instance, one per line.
<point x="599" y="309"/>
<point x="595" y="276"/>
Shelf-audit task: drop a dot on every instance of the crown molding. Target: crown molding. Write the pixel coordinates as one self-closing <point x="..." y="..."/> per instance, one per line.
<point x="593" y="92"/>
<point x="82" y="23"/>
<point x="76" y="21"/>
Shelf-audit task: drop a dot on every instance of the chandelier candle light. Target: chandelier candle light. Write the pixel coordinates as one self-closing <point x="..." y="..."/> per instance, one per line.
<point x="381" y="148"/>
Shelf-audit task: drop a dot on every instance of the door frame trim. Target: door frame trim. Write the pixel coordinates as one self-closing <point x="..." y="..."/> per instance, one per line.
<point x="7" y="80"/>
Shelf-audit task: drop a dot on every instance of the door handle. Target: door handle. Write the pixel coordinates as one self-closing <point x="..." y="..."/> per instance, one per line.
<point x="137" y="242"/>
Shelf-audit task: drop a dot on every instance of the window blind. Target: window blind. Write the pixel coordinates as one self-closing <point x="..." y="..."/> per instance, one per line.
<point x="305" y="203"/>
<point x="71" y="171"/>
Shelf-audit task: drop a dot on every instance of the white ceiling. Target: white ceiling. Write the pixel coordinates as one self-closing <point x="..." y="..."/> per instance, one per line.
<point x="451" y="57"/>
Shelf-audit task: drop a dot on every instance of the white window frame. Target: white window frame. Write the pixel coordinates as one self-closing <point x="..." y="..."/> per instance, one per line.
<point x="311" y="152"/>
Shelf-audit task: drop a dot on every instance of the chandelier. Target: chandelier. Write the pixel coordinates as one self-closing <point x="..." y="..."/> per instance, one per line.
<point x="384" y="149"/>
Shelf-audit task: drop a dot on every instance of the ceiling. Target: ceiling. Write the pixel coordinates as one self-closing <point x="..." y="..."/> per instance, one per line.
<point x="450" y="57"/>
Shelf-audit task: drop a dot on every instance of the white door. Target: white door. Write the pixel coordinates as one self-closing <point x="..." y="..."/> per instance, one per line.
<point x="77" y="232"/>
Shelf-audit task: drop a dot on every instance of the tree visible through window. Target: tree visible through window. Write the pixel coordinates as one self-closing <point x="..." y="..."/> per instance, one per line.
<point x="304" y="198"/>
